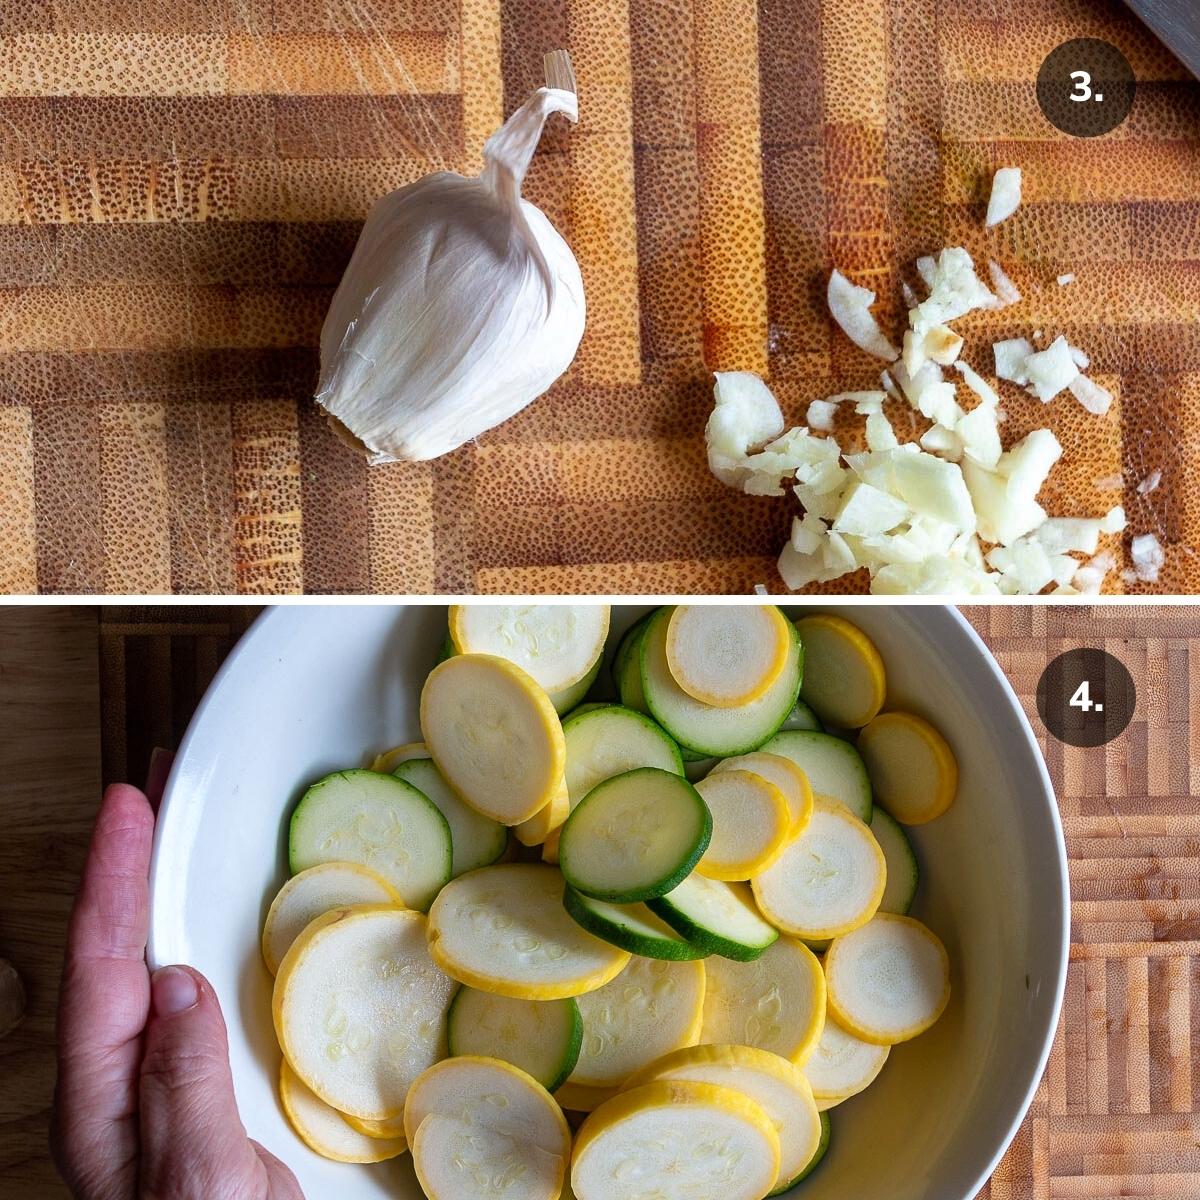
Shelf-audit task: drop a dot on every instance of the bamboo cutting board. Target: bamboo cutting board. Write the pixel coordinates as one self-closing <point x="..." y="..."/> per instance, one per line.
<point x="1118" y="1112"/>
<point x="181" y="183"/>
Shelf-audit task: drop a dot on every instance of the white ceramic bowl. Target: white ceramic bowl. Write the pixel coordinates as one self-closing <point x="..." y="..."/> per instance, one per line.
<point x="311" y="689"/>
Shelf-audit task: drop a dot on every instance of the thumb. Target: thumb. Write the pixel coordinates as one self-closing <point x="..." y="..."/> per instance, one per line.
<point x="193" y="1143"/>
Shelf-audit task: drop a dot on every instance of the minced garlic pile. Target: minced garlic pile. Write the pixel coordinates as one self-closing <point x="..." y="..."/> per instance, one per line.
<point x="918" y="515"/>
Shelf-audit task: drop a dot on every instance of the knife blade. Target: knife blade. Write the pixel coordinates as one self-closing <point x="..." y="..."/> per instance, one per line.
<point x="1176" y="24"/>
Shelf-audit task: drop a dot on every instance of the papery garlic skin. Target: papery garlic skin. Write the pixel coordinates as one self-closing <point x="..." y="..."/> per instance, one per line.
<point x="461" y="304"/>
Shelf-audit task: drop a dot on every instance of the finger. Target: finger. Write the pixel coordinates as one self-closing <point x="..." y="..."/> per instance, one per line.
<point x="193" y="1141"/>
<point x="161" y="762"/>
<point x="105" y="999"/>
<point x="282" y="1184"/>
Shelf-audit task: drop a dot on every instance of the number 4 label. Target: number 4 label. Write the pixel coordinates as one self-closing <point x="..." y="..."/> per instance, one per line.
<point x="1083" y="699"/>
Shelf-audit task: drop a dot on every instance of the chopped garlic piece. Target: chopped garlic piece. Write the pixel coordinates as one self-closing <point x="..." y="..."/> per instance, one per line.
<point x="1089" y="578"/>
<point x="746" y="414"/>
<point x="1079" y="358"/>
<point x="980" y="435"/>
<point x="927" y="269"/>
<point x="1006" y="290"/>
<point x="978" y="384"/>
<point x="1051" y="370"/>
<point x="820" y="415"/>
<point x="1091" y="395"/>
<point x="1002" y="517"/>
<point x="1058" y="535"/>
<point x="820" y="504"/>
<point x="1063" y="280"/>
<point x="1025" y="562"/>
<point x="865" y="403"/>
<point x="954" y="290"/>
<point x="1149" y="483"/>
<point x="1011" y="357"/>
<point x="942" y="441"/>
<point x="1113" y="521"/>
<point x="1148" y="557"/>
<point x="850" y="307"/>
<point x="1027" y="464"/>
<point x="1006" y="195"/>
<point x="867" y="511"/>
<point x="808" y="532"/>
<point x="880" y="434"/>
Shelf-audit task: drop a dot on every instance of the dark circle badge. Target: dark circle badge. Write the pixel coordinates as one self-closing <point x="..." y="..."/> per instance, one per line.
<point x="1085" y="87"/>
<point x="1086" y="697"/>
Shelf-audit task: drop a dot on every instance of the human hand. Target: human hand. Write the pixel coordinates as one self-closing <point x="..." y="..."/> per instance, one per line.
<point x="144" y="1108"/>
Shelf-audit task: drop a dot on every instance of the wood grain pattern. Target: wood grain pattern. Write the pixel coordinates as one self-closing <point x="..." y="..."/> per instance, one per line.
<point x="181" y="185"/>
<point x="1118" y="1112"/>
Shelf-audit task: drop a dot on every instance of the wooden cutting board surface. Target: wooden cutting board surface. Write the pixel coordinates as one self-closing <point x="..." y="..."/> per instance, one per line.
<point x="181" y="183"/>
<point x="1118" y="1113"/>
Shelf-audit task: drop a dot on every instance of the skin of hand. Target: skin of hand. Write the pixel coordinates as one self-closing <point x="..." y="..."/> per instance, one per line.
<point x="144" y="1108"/>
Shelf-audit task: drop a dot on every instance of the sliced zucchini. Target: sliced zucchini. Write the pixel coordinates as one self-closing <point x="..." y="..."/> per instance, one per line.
<point x="358" y="1034"/>
<point x="776" y="1002"/>
<point x="842" y="1065"/>
<point x="675" y="1141"/>
<point x="476" y="840"/>
<point x="604" y="740"/>
<point x="389" y="760"/>
<point x="306" y="896"/>
<point x="490" y="1095"/>
<point x="494" y="735"/>
<point x="833" y="767"/>
<point x="541" y="1037"/>
<point x="704" y="728"/>
<point x="634" y="836"/>
<point x="903" y="874"/>
<point x="633" y="927"/>
<point x="556" y="644"/>
<point x="458" y="1160"/>
<point x="888" y="981"/>
<point x="784" y="774"/>
<point x="724" y="654"/>
<point x="650" y="1009"/>
<point x="845" y="681"/>
<point x="801" y="717"/>
<point x="503" y="929"/>
<point x="324" y="1129"/>
<point x="716" y="917"/>
<point x="769" y="1080"/>
<point x="627" y="665"/>
<point x="912" y="768"/>
<point x="378" y="822"/>
<point x="751" y="824"/>
<point x="828" y="881"/>
<point x="814" y="1162"/>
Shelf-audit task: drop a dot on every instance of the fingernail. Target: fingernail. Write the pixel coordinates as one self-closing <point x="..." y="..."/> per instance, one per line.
<point x="173" y="990"/>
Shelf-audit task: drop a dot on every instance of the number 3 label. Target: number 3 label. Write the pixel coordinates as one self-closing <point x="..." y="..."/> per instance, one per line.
<point x="1083" y="86"/>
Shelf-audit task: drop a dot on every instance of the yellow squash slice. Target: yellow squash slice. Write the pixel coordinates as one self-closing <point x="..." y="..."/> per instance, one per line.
<point x="751" y="824"/>
<point x="326" y="1131"/>
<point x="844" y="679"/>
<point x="913" y="772"/>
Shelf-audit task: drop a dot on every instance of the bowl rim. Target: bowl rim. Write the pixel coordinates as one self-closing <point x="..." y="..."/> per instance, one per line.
<point x="261" y="624"/>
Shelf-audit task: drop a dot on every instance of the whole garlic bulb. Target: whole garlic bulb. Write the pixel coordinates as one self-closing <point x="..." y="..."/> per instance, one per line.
<point x="461" y="303"/>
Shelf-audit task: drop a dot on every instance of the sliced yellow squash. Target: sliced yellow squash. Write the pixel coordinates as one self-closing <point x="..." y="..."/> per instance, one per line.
<point x="913" y="771"/>
<point x="654" y="1006"/>
<point x="360" y="1009"/>
<point x="326" y="1131"/>
<point x="827" y="881"/>
<point x="727" y="654"/>
<point x="494" y="735"/>
<point x="504" y="929"/>
<point x="784" y="774"/>
<point x="844" y="679"/>
<point x="775" y="1002"/>
<point x="676" y="1141"/>
<point x="888" y="981"/>
<point x="751" y="824"/>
